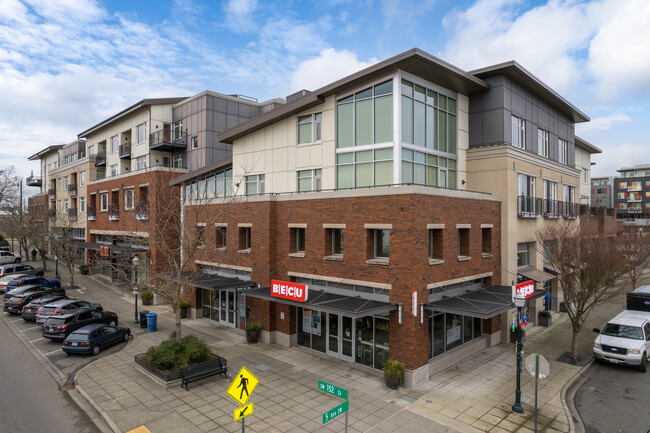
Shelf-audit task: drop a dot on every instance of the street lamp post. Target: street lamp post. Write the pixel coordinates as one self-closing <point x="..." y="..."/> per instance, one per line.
<point x="520" y="302"/>
<point x="56" y="271"/>
<point x="136" y="261"/>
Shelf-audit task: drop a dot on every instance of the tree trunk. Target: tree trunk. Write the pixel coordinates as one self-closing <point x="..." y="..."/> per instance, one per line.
<point x="71" y="269"/>
<point x="44" y="262"/>
<point x="574" y="344"/>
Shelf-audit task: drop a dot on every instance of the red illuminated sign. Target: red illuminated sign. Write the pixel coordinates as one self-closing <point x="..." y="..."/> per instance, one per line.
<point x="527" y="288"/>
<point x="292" y="291"/>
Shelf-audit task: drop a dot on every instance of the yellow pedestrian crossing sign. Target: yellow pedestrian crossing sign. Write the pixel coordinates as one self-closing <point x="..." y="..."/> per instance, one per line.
<point x="243" y="411"/>
<point x="242" y="386"/>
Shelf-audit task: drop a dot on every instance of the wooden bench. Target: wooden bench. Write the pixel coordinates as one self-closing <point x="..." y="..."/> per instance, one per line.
<point x="191" y="373"/>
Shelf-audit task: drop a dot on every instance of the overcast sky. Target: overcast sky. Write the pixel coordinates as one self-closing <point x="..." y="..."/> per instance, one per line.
<point x="68" y="64"/>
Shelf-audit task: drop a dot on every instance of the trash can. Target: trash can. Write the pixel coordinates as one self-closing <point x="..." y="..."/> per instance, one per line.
<point x="152" y="321"/>
<point x="143" y="318"/>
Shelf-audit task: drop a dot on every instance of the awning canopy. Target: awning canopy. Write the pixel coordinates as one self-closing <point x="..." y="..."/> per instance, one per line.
<point x="484" y="303"/>
<point x="115" y="249"/>
<point x="535" y="274"/>
<point x="217" y="282"/>
<point x="328" y="302"/>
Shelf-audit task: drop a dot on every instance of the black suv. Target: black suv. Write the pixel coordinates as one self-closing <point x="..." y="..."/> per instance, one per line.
<point x="23" y="290"/>
<point x="60" y="326"/>
<point x="15" y="304"/>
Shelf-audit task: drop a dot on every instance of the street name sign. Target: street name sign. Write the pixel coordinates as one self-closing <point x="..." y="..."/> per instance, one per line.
<point x="242" y="386"/>
<point x="338" y="410"/>
<point x="333" y="389"/>
<point x="243" y="411"/>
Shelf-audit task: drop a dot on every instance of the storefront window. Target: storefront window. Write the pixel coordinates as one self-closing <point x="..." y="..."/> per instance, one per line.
<point x="311" y="333"/>
<point x="381" y="340"/>
<point x="364" y="352"/>
<point x="452" y="330"/>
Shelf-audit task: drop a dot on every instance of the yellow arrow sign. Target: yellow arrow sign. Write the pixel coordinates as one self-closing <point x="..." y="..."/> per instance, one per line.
<point x="243" y="411"/>
<point x="242" y="386"/>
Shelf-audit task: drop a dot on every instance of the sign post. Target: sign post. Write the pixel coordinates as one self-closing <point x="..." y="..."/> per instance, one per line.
<point x="240" y="390"/>
<point x="539" y="367"/>
<point x="338" y="410"/>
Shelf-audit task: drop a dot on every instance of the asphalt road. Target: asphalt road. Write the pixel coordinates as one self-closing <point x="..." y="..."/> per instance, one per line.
<point x="614" y="399"/>
<point x="31" y="400"/>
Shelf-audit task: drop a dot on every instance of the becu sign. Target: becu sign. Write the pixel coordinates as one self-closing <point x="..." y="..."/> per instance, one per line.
<point x="286" y="290"/>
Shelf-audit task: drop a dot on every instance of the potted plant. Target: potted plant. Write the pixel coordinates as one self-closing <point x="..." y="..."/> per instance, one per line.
<point x="253" y="332"/>
<point x="544" y="318"/>
<point x="147" y="297"/>
<point x="185" y="306"/>
<point x="84" y="269"/>
<point x="394" y="374"/>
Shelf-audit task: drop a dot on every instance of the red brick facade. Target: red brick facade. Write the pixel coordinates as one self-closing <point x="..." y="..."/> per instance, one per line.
<point x="408" y="268"/>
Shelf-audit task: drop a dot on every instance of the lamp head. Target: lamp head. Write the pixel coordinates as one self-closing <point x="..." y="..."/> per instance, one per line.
<point x="520" y="300"/>
<point x="136" y="261"/>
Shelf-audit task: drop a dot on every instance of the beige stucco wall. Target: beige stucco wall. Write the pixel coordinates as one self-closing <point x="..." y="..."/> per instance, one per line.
<point x="84" y="164"/>
<point x="583" y="163"/>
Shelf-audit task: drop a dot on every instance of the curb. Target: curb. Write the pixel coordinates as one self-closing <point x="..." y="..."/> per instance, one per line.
<point x="567" y="398"/>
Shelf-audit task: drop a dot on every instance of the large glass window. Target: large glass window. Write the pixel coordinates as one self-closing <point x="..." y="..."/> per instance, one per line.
<point x="428" y="118"/>
<point x="142" y="129"/>
<point x="304" y="129"/>
<point x="518" y="132"/>
<point x="448" y="331"/>
<point x="255" y="184"/>
<point x="366" y="168"/>
<point x="542" y="142"/>
<point x="563" y="151"/>
<point x="523" y="254"/>
<point x="311" y="330"/>
<point x="381" y="243"/>
<point x="365" y="117"/>
<point x="310" y="180"/>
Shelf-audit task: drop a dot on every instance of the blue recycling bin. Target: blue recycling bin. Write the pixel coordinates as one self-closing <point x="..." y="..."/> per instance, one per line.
<point x="152" y="321"/>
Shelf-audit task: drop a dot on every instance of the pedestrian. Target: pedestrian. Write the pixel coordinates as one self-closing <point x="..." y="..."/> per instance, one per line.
<point x="34" y="255"/>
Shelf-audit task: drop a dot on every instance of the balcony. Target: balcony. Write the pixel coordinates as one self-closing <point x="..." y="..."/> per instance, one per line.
<point x="167" y="140"/>
<point x="100" y="159"/>
<point x="125" y="151"/>
<point x="552" y="208"/>
<point x="142" y="210"/>
<point x="529" y="207"/>
<point x="72" y="214"/>
<point x="72" y="189"/>
<point x="34" y="181"/>
<point x="91" y="213"/>
<point x="52" y="193"/>
<point x="113" y="212"/>
<point x="570" y="210"/>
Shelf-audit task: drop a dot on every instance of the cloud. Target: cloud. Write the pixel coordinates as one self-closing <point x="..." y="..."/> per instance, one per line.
<point x="604" y="123"/>
<point x="239" y="15"/>
<point x="329" y="66"/>
<point x="616" y="156"/>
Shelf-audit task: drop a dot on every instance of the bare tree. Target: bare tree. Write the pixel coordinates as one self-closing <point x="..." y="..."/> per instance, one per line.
<point x="62" y="244"/>
<point x="635" y="247"/>
<point x="9" y="188"/>
<point x="590" y="267"/>
<point x="31" y="228"/>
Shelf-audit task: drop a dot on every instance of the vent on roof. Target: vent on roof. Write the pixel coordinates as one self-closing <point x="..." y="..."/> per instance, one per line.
<point x="299" y="94"/>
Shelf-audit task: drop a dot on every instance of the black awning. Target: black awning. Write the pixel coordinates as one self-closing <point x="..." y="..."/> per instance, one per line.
<point x="115" y="249"/>
<point x="484" y="303"/>
<point x="535" y="274"/>
<point x="328" y="302"/>
<point x="216" y="282"/>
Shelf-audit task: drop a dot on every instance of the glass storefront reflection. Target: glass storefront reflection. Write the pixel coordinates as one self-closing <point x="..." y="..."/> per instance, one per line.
<point x="448" y="331"/>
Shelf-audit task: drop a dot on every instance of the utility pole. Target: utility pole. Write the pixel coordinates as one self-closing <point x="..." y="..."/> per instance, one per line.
<point x="20" y="249"/>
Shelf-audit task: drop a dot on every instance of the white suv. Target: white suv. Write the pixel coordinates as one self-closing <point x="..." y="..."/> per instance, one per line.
<point x="7" y="257"/>
<point x="625" y="339"/>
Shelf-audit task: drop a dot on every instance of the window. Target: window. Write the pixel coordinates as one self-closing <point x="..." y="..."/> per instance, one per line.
<point x="114" y="144"/>
<point x="563" y="151"/>
<point x="526" y="187"/>
<point x="58" y="206"/>
<point x="194" y="142"/>
<point x="335" y="242"/>
<point x="82" y="178"/>
<point x="58" y="183"/>
<point x="634" y="186"/>
<point x="142" y="133"/>
<point x="298" y="240"/>
<point x="91" y="150"/>
<point x="424" y="169"/>
<point x="365" y="117"/>
<point x="569" y="193"/>
<point x="621" y="195"/>
<point x="306" y="131"/>
<point x="65" y="182"/>
<point x="428" y="118"/>
<point x="244" y="238"/>
<point x="103" y="201"/>
<point x="366" y="168"/>
<point x="486" y="241"/>
<point x="255" y="184"/>
<point x="542" y="142"/>
<point x="310" y="180"/>
<point x="463" y="242"/>
<point x="318" y="126"/>
<point x="177" y="160"/>
<point x="634" y="196"/>
<point x="221" y="237"/>
<point x="128" y="199"/>
<point x="518" y="132"/>
<point x="523" y="254"/>
<point x="622" y="185"/>
<point x="200" y="236"/>
<point x="435" y="244"/>
<point x="114" y="171"/>
<point x="622" y="206"/>
<point x="380" y="239"/>
<point x="66" y="205"/>
<point x="141" y="163"/>
<point x="82" y="204"/>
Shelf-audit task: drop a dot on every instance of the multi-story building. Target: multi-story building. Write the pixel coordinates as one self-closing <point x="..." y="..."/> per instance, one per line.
<point x="632" y="192"/>
<point x="602" y="192"/>
<point x="584" y="150"/>
<point x="522" y="149"/>
<point x="39" y="204"/>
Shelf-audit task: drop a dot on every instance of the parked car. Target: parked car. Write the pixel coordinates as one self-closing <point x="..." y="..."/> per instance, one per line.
<point x="56" y="290"/>
<point x="29" y="311"/>
<point x="15" y="304"/>
<point x="7" y="257"/>
<point x="93" y="338"/>
<point x="64" y="306"/>
<point x="19" y="268"/>
<point x="60" y="326"/>
<point x="4" y="280"/>
<point x="31" y="281"/>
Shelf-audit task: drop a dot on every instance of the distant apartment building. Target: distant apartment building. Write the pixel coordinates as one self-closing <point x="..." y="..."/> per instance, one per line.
<point x="602" y="192"/>
<point x="632" y="192"/>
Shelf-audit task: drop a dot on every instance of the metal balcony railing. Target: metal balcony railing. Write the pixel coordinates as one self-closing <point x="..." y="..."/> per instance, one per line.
<point x="34" y="181"/>
<point x="570" y="210"/>
<point x="529" y="207"/>
<point x="113" y="212"/>
<point x="91" y="213"/>
<point x="552" y="208"/>
<point x="72" y="189"/>
<point x="125" y="151"/>
<point x="100" y="158"/>
<point x="142" y="210"/>
<point x="72" y="214"/>
<point x="167" y="140"/>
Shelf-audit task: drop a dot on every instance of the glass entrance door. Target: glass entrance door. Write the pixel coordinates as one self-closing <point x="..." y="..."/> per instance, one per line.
<point x="333" y="337"/>
<point x="227" y="307"/>
<point x="340" y="334"/>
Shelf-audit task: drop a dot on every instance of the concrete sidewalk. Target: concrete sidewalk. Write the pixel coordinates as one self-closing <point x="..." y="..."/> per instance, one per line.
<point x="475" y="395"/>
